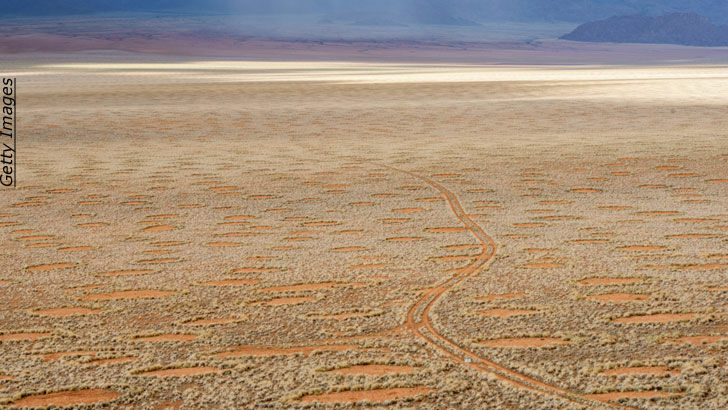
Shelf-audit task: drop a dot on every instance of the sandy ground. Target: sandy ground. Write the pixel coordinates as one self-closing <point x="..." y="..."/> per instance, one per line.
<point x="232" y="234"/>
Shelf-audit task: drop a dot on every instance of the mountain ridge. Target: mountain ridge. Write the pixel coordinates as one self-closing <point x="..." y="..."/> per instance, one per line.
<point x="689" y="29"/>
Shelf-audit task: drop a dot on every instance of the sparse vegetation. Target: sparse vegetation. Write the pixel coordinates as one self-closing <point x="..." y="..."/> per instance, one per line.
<point x="273" y="257"/>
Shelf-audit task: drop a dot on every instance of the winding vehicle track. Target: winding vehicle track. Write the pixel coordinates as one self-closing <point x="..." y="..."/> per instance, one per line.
<point x="418" y="317"/>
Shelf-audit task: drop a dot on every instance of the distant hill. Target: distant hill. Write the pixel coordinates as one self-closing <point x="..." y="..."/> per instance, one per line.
<point x="688" y="29"/>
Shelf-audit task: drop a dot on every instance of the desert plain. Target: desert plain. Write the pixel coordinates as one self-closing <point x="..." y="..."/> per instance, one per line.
<point x="219" y="234"/>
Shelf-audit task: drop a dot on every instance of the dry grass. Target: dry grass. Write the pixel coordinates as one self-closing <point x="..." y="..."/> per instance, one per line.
<point x="211" y="241"/>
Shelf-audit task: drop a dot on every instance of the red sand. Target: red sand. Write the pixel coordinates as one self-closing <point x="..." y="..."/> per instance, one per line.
<point x="62" y="312"/>
<point x="285" y="301"/>
<point x="50" y="266"/>
<point x="74" y="248"/>
<point x="652" y="370"/>
<point x="129" y="294"/>
<point x="699" y="340"/>
<point x="377" y="395"/>
<point x="116" y="360"/>
<point x="447" y="229"/>
<point x="629" y="395"/>
<point x="231" y="282"/>
<point x="609" y="281"/>
<point x="707" y="266"/>
<point x="307" y="286"/>
<point x="501" y="296"/>
<point x="642" y="248"/>
<point x="68" y="398"/>
<point x="656" y="318"/>
<point x="167" y="338"/>
<point x="127" y="272"/>
<point x="374" y="370"/>
<point x="55" y="356"/>
<point x="506" y="312"/>
<point x="275" y="351"/>
<point x="22" y="336"/>
<point x="205" y="322"/>
<point x="523" y="342"/>
<point x="619" y="297"/>
<point x="183" y="371"/>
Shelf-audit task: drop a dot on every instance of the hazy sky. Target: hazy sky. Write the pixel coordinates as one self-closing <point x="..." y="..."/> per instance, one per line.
<point x="419" y="11"/>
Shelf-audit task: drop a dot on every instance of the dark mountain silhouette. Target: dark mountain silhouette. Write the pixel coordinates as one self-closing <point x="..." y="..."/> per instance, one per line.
<point x="688" y="29"/>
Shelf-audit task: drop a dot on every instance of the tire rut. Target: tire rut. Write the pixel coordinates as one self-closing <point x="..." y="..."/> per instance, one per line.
<point x="419" y="322"/>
